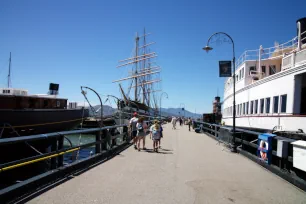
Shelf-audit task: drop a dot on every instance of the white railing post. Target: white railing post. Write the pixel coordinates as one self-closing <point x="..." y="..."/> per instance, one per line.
<point x="299" y="35"/>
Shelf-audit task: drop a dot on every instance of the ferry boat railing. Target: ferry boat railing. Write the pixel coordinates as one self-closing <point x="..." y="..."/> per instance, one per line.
<point x="109" y="140"/>
<point x="268" y="53"/>
<point x="247" y="145"/>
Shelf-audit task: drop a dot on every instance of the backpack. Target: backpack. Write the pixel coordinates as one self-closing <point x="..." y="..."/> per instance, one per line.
<point x="155" y="132"/>
<point x="140" y="128"/>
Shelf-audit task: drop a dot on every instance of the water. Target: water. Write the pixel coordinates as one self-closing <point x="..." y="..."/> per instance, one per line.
<point x="76" y="140"/>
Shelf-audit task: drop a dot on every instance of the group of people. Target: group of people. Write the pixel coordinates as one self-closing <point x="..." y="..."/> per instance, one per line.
<point x="174" y="121"/>
<point x="140" y="130"/>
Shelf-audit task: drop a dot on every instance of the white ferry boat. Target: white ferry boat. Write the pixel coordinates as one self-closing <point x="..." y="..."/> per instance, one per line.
<point x="270" y="87"/>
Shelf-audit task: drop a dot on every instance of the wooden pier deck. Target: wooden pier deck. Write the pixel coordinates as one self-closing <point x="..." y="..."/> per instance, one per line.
<point x="190" y="168"/>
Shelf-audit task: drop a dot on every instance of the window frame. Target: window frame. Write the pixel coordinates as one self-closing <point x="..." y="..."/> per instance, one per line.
<point x="274" y="100"/>
<point x="252" y="108"/>
<point x="267" y="107"/>
<point x="261" y="106"/>
<point x="281" y="103"/>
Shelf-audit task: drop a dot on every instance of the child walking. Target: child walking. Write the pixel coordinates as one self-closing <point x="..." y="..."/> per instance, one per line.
<point x="155" y="135"/>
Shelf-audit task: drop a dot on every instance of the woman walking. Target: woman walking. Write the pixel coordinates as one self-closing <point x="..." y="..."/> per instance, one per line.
<point x="141" y="133"/>
<point x="155" y="135"/>
<point x="161" y="134"/>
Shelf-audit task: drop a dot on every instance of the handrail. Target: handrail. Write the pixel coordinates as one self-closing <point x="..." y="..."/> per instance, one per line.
<point x="49" y="155"/>
<point x="266" y="51"/>
<point x="54" y="135"/>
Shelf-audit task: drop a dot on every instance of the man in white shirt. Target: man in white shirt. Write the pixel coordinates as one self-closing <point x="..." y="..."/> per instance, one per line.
<point x="133" y="123"/>
<point x="173" y="121"/>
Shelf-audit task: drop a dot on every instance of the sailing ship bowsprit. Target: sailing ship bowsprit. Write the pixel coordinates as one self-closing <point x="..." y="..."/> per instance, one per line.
<point x="143" y="81"/>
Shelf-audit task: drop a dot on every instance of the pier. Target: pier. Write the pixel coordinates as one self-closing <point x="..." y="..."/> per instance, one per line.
<point x="189" y="168"/>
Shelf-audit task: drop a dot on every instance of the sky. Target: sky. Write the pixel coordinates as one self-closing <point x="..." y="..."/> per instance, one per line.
<point x="79" y="43"/>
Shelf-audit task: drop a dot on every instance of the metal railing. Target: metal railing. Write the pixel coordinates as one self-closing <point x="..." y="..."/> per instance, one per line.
<point x="247" y="143"/>
<point x="107" y="140"/>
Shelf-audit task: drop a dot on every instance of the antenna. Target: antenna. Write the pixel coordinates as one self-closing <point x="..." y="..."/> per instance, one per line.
<point x="9" y="73"/>
<point x="217" y="91"/>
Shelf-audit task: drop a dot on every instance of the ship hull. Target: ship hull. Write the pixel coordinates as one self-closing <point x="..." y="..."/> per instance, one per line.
<point x="39" y="121"/>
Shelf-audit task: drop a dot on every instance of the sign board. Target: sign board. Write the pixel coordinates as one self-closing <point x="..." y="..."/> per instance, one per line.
<point x="225" y="68"/>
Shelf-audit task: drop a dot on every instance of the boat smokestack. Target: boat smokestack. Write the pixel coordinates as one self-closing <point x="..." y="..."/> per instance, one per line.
<point x="301" y="32"/>
<point x="53" y="89"/>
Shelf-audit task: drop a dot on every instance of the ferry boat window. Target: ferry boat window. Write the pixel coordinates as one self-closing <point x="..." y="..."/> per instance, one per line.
<point x="247" y="108"/>
<point x="256" y="106"/>
<point x="252" y="68"/>
<point x="242" y="72"/>
<point x="252" y="107"/>
<point x="275" y="104"/>
<point x="263" y="69"/>
<point x="267" y="105"/>
<point x="236" y="78"/>
<point x="272" y="69"/>
<point x="262" y="105"/>
<point x="243" y="108"/>
<point x="283" y="103"/>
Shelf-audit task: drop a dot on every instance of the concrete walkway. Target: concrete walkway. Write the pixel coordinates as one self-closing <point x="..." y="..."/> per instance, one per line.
<point x="191" y="168"/>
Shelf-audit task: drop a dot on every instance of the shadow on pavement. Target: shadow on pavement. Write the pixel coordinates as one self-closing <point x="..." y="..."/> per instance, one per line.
<point x="160" y="151"/>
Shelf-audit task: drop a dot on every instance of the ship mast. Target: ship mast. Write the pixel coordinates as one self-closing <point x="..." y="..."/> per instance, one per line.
<point x="142" y="72"/>
<point x="9" y="73"/>
<point x="136" y="62"/>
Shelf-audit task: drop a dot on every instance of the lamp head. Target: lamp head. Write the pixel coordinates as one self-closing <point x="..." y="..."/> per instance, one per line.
<point x="207" y="48"/>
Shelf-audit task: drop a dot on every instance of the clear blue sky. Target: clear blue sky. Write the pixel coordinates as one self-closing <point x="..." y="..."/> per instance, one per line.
<point x="76" y="43"/>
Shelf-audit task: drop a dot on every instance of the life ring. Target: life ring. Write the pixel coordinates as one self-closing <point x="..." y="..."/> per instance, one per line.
<point x="263" y="145"/>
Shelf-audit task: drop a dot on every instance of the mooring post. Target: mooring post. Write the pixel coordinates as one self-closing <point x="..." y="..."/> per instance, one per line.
<point x="60" y="160"/>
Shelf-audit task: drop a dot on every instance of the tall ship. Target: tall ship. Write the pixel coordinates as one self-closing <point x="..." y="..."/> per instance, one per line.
<point x="23" y="114"/>
<point x="270" y="87"/>
<point x="139" y="88"/>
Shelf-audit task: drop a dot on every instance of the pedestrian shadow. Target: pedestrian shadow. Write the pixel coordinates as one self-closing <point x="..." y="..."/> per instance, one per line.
<point x="160" y="151"/>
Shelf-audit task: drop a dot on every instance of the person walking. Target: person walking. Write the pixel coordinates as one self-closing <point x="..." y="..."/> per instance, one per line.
<point x="141" y="133"/>
<point x="161" y="134"/>
<point x="173" y="121"/>
<point x="189" y="122"/>
<point x="133" y="128"/>
<point x="180" y="119"/>
<point x="155" y="135"/>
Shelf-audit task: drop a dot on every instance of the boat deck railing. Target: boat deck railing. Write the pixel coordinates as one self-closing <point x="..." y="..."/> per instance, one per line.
<point x="271" y="52"/>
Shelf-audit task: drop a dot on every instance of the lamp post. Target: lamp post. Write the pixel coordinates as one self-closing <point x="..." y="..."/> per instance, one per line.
<point x="161" y="96"/>
<point x="207" y="48"/>
<point x="182" y="108"/>
<point x="101" y="104"/>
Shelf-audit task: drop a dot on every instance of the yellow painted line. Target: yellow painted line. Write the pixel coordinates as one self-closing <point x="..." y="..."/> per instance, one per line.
<point x="31" y="125"/>
<point x="37" y="160"/>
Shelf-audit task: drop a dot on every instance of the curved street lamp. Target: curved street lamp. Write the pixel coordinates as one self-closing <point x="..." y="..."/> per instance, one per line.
<point x="182" y="108"/>
<point x="84" y="93"/>
<point x="161" y="96"/>
<point x="207" y="48"/>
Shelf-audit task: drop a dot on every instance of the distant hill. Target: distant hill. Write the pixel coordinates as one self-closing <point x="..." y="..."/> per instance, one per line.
<point x="178" y="112"/>
<point x="107" y="110"/>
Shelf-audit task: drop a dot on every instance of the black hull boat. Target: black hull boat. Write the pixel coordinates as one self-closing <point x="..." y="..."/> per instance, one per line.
<point x="38" y="121"/>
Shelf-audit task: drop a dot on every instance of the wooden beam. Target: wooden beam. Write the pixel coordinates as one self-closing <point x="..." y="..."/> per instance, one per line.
<point x="137" y="61"/>
<point x="135" y="76"/>
<point x="152" y="53"/>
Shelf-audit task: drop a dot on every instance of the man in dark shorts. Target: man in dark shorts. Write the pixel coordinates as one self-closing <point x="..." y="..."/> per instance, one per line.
<point x="133" y="123"/>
